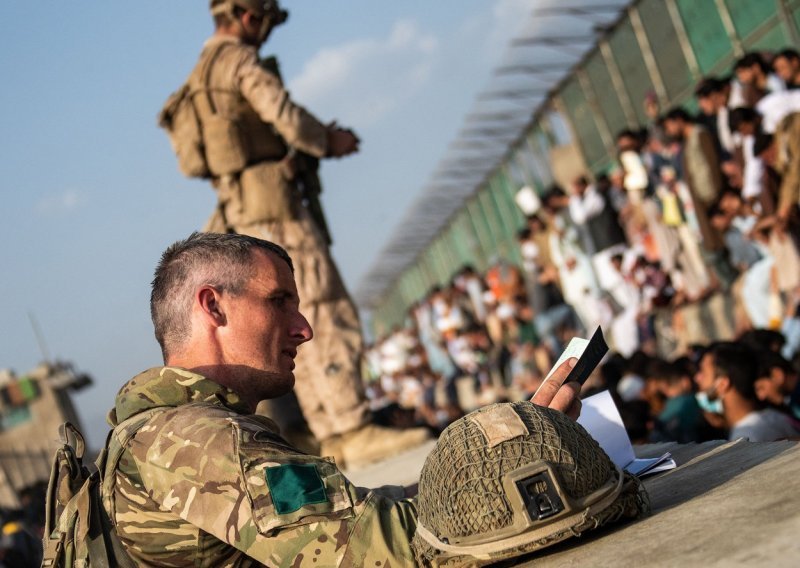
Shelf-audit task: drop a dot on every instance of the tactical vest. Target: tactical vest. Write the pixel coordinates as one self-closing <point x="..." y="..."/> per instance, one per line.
<point x="235" y="137"/>
<point x="244" y="154"/>
<point x="79" y="527"/>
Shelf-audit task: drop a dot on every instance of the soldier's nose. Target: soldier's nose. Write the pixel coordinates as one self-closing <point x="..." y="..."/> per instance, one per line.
<point x="302" y="331"/>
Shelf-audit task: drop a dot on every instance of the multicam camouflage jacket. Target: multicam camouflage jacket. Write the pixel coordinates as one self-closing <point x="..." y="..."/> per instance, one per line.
<point x="205" y="483"/>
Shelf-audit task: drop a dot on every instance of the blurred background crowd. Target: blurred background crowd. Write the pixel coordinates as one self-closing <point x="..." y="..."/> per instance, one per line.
<point x="685" y="253"/>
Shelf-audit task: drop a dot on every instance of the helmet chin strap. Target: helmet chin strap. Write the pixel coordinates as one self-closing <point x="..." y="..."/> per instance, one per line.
<point x="266" y="28"/>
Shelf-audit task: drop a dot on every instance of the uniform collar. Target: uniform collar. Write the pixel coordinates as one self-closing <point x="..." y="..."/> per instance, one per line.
<point x="170" y="386"/>
<point x="220" y="39"/>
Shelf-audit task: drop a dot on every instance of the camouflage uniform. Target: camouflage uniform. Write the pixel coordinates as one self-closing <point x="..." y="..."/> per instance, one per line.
<point x="262" y="201"/>
<point x="205" y="483"/>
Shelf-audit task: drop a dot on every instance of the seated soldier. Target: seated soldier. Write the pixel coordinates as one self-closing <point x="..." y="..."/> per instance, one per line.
<point x="205" y="481"/>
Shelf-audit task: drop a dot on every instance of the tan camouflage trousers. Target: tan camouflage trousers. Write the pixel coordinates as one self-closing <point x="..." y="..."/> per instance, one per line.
<point x="327" y="376"/>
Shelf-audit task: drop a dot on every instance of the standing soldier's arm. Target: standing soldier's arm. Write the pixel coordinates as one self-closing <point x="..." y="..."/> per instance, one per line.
<point x="265" y="92"/>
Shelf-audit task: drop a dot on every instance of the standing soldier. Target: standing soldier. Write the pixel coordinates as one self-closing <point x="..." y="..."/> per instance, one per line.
<point x="234" y="123"/>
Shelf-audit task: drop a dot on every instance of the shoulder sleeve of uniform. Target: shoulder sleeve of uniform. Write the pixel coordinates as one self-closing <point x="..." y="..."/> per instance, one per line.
<point x="231" y="477"/>
<point x="265" y="92"/>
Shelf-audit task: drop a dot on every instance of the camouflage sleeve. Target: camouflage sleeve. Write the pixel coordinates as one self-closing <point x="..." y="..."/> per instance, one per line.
<point x="394" y="492"/>
<point x="266" y="94"/>
<point x="230" y="477"/>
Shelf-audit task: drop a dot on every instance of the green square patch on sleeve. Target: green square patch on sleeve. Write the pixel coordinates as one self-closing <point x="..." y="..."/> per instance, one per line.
<point x="294" y="485"/>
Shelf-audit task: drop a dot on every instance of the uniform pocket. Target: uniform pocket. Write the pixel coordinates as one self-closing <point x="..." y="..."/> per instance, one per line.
<point x="267" y="193"/>
<point x="225" y="149"/>
<point x="287" y="490"/>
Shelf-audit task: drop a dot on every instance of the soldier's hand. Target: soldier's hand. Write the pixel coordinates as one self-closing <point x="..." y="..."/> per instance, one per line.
<point x="557" y="394"/>
<point x="341" y="141"/>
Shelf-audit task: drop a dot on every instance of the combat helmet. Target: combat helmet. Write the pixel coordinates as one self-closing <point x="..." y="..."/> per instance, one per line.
<point x="513" y="478"/>
<point x="270" y="10"/>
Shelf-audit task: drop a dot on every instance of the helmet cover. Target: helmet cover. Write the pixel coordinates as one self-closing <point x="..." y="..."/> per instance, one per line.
<point x="260" y="8"/>
<point x="512" y="478"/>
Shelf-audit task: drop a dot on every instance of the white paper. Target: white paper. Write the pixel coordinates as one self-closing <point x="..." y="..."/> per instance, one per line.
<point x="575" y="348"/>
<point x="667" y="463"/>
<point x="641" y="466"/>
<point x="600" y="417"/>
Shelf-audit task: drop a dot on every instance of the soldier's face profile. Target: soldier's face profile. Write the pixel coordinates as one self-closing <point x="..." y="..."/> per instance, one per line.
<point x="255" y="29"/>
<point x="265" y="328"/>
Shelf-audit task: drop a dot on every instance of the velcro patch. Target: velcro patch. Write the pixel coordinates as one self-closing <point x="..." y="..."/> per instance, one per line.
<point x="499" y="424"/>
<point x="292" y="486"/>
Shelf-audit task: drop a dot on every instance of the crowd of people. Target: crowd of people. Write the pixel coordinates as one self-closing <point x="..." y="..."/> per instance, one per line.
<point x="685" y="253"/>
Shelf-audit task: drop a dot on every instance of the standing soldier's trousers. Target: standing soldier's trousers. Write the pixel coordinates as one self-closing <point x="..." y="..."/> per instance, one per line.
<point x="327" y="374"/>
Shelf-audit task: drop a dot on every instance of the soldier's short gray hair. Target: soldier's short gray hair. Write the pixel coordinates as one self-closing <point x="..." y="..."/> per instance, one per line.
<point x="224" y="261"/>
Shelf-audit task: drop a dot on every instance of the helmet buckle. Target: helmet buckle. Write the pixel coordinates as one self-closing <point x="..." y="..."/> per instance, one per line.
<point x="540" y="496"/>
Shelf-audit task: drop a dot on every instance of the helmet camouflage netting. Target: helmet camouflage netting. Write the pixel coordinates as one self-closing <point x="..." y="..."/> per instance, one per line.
<point x="509" y="479"/>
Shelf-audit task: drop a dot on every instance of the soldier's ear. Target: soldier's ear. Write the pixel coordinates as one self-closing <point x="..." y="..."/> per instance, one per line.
<point x="250" y="21"/>
<point x="208" y="300"/>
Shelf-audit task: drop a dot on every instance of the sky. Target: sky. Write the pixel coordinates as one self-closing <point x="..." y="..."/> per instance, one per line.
<point x="91" y="193"/>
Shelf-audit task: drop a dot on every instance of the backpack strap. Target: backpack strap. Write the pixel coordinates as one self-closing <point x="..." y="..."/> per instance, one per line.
<point x="116" y="444"/>
<point x="104" y="546"/>
<point x="78" y="527"/>
<point x="67" y="476"/>
<point x="200" y="81"/>
<point x="102" y="541"/>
